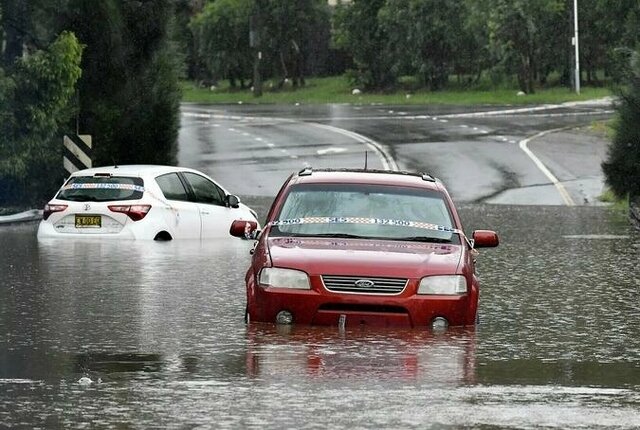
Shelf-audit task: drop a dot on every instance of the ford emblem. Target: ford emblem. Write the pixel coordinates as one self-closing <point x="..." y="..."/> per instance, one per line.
<point x="364" y="283"/>
<point x="87" y="206"/>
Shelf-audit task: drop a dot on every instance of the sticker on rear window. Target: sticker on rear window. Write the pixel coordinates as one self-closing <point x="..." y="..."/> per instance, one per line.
<point x="359" y="220"/>
<point x="103" y="186"/>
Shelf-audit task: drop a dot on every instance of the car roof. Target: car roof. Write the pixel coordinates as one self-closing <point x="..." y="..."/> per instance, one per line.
<point x="362" y="176"/>
<point x="132" y="170"/>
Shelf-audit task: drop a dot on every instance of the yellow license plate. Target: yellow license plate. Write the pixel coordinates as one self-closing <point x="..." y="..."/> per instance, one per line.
<point x="88" y="221"/>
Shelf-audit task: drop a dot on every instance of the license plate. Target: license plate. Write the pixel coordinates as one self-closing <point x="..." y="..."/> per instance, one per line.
<point x="88" y="221"/>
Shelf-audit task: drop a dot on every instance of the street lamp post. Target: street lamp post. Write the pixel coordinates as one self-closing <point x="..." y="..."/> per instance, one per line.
<point x="576" y="45"/>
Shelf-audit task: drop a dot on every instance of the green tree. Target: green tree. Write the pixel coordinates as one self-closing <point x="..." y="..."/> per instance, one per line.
<point x="182" y="35"/>
<point x="290" y="29"/>
<point x="423" y="37"/>
<point x="358" y="31"/>
<point x="518" y="34"/>
<point x="35" y="107"/>
<point x="129" y="95"/>
<point x="622" y="167"/>
<point x="221" y="36"/>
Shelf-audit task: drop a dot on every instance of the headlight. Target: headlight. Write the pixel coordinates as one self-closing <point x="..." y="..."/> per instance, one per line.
<point x="444" y="285"/>
<point x="284" y="278"/>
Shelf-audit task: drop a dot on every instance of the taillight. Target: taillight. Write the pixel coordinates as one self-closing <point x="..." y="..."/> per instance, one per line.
<point x="135" y="212"/>
<point x="49" y="209"/>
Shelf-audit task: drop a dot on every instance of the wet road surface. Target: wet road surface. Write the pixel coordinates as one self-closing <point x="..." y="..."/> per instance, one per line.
<point x="158" y="329"/>
<point x="477" y="153"/>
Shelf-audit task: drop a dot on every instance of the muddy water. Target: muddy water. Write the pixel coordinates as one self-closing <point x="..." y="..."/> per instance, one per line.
<point x="146" y="335"/>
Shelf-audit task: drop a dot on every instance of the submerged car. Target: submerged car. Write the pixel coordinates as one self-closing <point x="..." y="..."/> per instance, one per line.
<point x="142" y="202"/>
<point x="363" y="247"/>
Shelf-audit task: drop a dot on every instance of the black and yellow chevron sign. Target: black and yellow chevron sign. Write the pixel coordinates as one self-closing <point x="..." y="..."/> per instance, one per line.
<point x="77" y="152"/>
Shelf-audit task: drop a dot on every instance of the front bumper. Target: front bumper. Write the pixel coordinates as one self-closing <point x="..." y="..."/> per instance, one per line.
<point x="321" y="307"/>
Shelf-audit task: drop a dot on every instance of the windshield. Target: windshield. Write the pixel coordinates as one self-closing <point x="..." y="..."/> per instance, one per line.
<point x="365" y="211"/>
<point x="101" y="189"/>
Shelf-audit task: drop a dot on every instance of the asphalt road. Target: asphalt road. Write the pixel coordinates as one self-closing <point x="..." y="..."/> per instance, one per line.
<point x="540" y="155"/>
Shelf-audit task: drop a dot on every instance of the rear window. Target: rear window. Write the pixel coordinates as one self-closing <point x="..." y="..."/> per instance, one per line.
<point x="102" y="189"/>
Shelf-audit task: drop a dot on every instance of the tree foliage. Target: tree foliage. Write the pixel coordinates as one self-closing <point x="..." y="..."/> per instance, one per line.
<point x="286" y="33"/>
<point x="123" y="90"/>
<point x="622" y="167"/>
<point x="290" y="27"/>
<point x="129" y="94"/>
<point x="359" y="32"/>
<point x="426" y="48"/>
<point x="221" y="35"/>
<point x="35" y="107"/>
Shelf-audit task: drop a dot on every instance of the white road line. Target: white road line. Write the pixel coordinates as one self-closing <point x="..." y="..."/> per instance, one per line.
<point x="561" y="189"/>
<point x="388" y="163"/>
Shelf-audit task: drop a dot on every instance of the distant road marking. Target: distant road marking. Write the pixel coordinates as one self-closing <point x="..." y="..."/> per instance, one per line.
<point x="388" y="163"/>
<point x="561" y="189"/>
<point x="330" y="150"/>
<point x="596" y="236"/>
<point x="597" y="104"/>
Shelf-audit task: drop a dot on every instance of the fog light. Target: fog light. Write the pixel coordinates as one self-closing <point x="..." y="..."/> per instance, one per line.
<point x="439" y="323"/>
<point x="284" y="317"/>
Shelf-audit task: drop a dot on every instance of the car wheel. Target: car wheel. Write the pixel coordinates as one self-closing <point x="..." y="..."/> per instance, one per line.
<point x="163" y="236"/>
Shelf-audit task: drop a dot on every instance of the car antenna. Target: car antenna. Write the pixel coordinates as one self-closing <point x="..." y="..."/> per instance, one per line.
<point x="365" y="159"/>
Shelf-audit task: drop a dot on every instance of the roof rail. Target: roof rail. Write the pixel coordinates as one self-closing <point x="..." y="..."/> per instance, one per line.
<point x="307" y="171"/>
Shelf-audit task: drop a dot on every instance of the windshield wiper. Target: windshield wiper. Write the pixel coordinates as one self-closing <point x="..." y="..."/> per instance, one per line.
<point x="425" y="239"/>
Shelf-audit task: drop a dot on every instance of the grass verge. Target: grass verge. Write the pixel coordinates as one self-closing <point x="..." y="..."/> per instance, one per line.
<point x="616" y="203"/>
<point x="338" y="90"/>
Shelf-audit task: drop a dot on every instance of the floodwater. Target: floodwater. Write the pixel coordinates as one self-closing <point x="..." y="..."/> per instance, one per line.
<point x="99" y="334"/>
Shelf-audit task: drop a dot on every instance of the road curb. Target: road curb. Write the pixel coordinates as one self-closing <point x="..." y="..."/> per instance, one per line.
<point x="26" y="216"/>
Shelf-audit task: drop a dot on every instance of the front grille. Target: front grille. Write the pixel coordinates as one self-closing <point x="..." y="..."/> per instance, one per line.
<point x="364" y="284"/>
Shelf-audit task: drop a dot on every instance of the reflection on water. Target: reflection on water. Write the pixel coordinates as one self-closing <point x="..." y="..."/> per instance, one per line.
<point x="383" y="355"/>
<point x="158" y="328"/>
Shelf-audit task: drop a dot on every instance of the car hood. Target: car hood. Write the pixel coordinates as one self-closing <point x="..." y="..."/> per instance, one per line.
<point x="319" y="256"/>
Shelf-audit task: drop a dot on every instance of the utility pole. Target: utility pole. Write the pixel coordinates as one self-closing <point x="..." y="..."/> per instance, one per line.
<point x="255" y="41"/>
<point x="576" y="45"/>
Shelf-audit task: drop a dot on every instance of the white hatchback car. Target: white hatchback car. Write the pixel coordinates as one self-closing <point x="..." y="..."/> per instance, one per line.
<point x="142" y="202"/>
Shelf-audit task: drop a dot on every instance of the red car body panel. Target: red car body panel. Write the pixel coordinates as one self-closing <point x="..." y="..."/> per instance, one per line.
<point x="364" y="258"/>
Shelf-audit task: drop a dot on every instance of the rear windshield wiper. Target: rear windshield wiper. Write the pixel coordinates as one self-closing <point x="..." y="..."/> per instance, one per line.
<point x="425" y="239"/>
<point x="78" y="198"/>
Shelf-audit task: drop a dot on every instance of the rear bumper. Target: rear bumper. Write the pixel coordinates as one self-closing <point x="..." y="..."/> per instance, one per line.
<point x="47" y="230"/>
<point x="310" y="307"/>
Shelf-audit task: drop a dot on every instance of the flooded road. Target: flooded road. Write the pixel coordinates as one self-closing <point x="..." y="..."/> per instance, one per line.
<point x="157" y="328"/>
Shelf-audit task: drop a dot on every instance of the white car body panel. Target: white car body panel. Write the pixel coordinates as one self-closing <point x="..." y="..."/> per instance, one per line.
<point x="180" y="219"/>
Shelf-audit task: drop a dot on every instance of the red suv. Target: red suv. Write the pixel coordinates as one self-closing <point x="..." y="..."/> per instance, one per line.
<point x="363" y="247"/>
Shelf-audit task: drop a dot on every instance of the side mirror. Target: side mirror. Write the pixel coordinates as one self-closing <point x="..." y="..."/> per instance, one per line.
<point x="244" y="229"/>
<point x="232" y="201"/>
<point x="485" y="239"/>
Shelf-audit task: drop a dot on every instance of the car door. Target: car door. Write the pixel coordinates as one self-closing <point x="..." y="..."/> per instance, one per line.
<point x="182" y="215"/>
<point x="215" y="216"/>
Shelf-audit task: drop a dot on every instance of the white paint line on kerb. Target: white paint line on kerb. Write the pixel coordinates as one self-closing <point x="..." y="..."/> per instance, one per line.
<point x="561" y="189"/>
